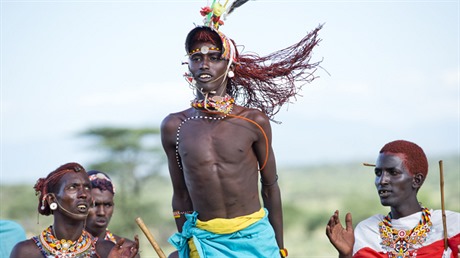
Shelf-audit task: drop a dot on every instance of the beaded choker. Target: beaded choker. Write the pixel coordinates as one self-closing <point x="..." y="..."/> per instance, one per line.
<point x="404" y="243"/>
<point x="82" y="248"/>
<point x="215" y="103"/>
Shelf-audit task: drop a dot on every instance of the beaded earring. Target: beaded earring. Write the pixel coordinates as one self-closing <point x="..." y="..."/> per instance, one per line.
<point x="43" y="204"/>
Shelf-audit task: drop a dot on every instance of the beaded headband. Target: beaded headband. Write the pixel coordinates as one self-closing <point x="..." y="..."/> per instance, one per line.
<point x="98" y="177"/>
<point x="204" y="50"/>
<point x="214" y="16"/>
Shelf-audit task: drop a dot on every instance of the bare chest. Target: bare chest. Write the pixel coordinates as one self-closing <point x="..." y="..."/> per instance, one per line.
<point x="211" y="141"/>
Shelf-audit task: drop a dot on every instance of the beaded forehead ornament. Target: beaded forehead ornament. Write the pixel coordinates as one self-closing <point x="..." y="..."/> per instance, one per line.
<point x="214" y="16"/>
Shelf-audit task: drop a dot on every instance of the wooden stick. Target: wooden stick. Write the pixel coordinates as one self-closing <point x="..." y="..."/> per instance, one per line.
<point x="443" y="208"/>
<point x="368" y="164"/>
<point x="150" y="237"/>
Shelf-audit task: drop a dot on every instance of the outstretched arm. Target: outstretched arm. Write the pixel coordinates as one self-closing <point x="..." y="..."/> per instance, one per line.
<point x="341" y="238"/>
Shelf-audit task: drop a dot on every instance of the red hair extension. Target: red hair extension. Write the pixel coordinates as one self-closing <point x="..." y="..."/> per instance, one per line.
<point x="415" y="158"/>
<point x="267" y="83"/>
<point x="50" y="184"/>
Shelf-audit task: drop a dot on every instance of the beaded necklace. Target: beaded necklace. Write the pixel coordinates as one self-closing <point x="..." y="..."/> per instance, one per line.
<point x="222" y="105"/>
<point x="216" y="103"/>
<point x="404" y="243"/>
<point x="82" y="248"/>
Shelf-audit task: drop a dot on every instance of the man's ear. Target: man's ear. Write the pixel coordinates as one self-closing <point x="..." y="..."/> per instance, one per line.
<point x="50" y="198"/>
<point x="418" y="180"/>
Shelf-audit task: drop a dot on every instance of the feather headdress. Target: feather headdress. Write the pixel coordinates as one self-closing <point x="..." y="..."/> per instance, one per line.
<point x="216" y="13"/>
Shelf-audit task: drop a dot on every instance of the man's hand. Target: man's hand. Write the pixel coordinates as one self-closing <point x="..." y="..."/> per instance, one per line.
<point x="127" y="251"/>
<point x="341" y="238"/>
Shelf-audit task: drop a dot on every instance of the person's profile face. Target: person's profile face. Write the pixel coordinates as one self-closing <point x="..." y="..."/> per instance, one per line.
<point x="393" y="181"/>
<point x="207" y="67"/>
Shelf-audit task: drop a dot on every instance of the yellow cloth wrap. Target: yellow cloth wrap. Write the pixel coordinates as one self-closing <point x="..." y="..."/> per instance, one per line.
<point x="225" y="226"/>
<point x="193" y="251"/>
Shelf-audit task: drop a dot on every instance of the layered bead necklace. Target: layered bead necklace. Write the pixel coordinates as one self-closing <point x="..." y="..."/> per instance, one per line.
<point x="53" y="247"/>
<point x="215" y="104"/>
<point x="404" y="243"/>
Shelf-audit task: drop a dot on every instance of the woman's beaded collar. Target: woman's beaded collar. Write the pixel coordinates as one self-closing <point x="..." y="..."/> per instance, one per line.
<point x="83" y="247"/>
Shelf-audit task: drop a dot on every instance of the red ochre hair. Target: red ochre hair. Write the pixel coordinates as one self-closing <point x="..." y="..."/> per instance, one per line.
<point x="266" y="83"/>
<point x="415" y="158"/>
<point x="50" y="184"/>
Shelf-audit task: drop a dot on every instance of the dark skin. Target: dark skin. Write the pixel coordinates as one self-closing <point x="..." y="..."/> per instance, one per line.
<point x="74" y="195"/>
<point x="220" y="158"/>
<point x="100" y="214"/>
<point x="397" y="188"/>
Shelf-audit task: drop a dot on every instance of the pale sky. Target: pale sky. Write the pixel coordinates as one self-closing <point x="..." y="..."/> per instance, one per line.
<point x="391" y="71"/>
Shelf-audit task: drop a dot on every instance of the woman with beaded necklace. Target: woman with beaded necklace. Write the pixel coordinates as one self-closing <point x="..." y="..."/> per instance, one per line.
<point x="218" y="148"/>
<point x="66" y="194"/>
<point x="409" y="230"/>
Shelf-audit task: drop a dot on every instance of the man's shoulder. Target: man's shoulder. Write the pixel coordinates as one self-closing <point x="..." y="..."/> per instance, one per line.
<point x="450" y="215"/>
<point x="174" y="119"/>
<point x="26" y="248"/>
<point x="251" y="113"/>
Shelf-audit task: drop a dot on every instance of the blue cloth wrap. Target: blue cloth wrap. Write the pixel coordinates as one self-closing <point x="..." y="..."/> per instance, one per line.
<point x="257" y="240"/>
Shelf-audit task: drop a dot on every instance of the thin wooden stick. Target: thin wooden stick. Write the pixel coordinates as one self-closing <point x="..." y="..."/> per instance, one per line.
<point x="443" y="208"/>
<point x="368" y="164"/>
<point x="150" y="237"/>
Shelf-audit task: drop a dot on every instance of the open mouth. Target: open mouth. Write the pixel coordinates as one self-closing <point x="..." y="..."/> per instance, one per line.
<point x="204" y="77"/>
<point x="82" y="208"/>
<point x="384" y="193"/>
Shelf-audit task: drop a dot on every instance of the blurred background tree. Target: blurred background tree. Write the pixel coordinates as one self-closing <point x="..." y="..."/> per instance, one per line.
<point x="131" y="157"/>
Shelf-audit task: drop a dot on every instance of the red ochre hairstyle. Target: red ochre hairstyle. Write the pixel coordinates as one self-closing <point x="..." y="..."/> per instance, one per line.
<point x="50" y="184"/>
<point x="268" y="82"/>
<point x="415" y="159"/>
